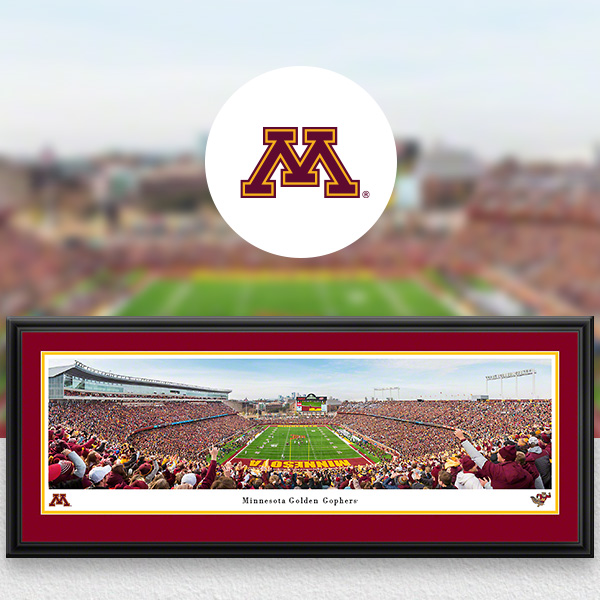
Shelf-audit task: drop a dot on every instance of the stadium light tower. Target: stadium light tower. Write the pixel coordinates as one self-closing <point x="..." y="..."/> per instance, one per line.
<point x="516" y="375"/>
<point x="390" y="389"/>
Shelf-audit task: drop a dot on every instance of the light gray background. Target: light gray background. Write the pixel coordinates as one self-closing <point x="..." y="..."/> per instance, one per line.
<point x="246" y="579"/>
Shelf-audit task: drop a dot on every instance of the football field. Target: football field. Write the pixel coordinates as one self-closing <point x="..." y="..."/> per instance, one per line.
<point x="300" y="446"/>
<point x="290" y="295"/>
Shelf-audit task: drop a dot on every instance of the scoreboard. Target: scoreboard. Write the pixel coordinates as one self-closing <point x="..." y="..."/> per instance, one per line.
<point x="311" y="403"/>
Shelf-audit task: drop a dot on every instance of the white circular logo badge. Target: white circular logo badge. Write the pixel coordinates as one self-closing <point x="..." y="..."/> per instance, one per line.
<point x="301" y="162"/>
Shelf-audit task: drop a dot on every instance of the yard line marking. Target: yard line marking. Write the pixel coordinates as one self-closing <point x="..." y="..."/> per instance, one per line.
<point x="176" y="297"/>
<point x="454" y="305"/>
<point x="120" y="305"/>
<point x="397" y="303"/>
<point x="325" y="296"/>
<point x="286" y="439"/>
<point x="242" y="301"/>
<point x="352" y="447"/>
<point x="310" y="447"/>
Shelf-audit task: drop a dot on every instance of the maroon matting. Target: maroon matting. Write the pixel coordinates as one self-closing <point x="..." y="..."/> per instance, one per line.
<point x="300" y="528"/>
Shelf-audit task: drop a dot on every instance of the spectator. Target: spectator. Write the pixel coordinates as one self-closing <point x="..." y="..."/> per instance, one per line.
<point x="507" y="474"/>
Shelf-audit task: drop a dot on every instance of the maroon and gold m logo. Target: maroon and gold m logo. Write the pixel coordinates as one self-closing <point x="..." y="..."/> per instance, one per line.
<point x="59" y="499"/>
<point x="300" y="171"/>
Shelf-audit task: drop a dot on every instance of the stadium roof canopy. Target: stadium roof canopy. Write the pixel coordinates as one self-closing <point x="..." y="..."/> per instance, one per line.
<point x="78" y="369"/>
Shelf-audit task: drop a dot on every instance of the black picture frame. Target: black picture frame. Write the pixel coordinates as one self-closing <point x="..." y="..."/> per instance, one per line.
<point x="583" y="326"/>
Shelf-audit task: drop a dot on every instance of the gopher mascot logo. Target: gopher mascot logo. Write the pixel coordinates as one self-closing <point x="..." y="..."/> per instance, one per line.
<point x="539" y="499"/>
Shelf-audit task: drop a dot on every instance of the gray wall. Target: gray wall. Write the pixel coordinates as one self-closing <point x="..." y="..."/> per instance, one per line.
<point x="246" y="579"/>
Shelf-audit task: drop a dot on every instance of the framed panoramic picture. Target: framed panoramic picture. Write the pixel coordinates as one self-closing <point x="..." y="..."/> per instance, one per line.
<point x="299" y="437"/>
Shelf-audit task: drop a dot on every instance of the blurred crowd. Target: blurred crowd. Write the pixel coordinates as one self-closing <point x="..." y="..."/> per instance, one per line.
<point x="33" y="271"/>
<point x="538" y="223"/>
<point x="539" y="227"/>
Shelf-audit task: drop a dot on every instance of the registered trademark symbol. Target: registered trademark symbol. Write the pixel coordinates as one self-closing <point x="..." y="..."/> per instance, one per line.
<point x="365" y="194"/>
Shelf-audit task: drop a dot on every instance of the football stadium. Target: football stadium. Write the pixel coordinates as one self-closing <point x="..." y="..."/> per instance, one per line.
<point x="136" y="233"/>
<point x="80" y="381"/>
<point x="305" y="447"/>
<point x="108" y="430"/>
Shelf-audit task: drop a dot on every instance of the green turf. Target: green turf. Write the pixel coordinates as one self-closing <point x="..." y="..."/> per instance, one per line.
<point x="372" y="456"/>
<point x="480" y="284"/>
<point x="151" y="300"/>
<point x="244" y="295"/>
<point x="317" y="443"/>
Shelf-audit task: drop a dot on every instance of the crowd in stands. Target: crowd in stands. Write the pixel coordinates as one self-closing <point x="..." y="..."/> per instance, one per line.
<point x="76" y="461"/>
<point x="508" y="447"/>
<point x="190" y="440"/>
<point x="487" y="422"/>
<point x="237" y="441"/>
<point x="115" y="421"/>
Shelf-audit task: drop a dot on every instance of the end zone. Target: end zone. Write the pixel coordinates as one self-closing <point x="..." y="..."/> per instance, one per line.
<point x="338" y="463"/>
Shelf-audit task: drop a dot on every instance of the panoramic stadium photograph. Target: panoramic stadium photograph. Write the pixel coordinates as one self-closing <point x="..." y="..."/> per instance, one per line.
<point x="343" y="422"/>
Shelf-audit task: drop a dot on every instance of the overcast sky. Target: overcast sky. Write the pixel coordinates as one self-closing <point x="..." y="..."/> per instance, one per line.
<point x="343" y="378"/>
<point x="497" y="77"/>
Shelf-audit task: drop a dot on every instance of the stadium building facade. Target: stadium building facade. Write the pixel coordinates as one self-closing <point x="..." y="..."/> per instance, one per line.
<point x="80" y="381"/>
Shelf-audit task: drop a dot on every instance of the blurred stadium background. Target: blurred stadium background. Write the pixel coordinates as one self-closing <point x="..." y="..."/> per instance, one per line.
<point x="97" y="231"/>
